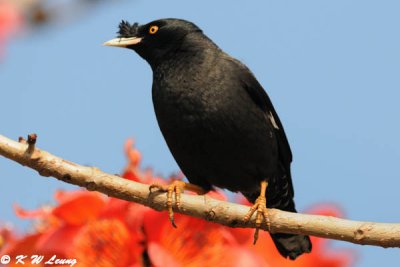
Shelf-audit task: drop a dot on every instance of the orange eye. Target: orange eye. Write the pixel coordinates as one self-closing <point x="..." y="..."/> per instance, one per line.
<point x="153" y="29"/>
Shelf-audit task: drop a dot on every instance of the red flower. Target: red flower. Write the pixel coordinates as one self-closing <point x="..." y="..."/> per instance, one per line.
<point x="96" y="230"/>
<point x="7" y="236"/>
<point x="10" y="21"/>
<point x="199" y="243"/>
<point x="194" y="243"/>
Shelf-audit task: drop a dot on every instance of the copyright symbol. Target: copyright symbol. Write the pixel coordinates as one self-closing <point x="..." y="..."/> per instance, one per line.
<point x="5" y="259"/>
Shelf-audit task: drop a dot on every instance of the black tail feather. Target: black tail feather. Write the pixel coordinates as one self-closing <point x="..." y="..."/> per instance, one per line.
<point x="290" y="245"/>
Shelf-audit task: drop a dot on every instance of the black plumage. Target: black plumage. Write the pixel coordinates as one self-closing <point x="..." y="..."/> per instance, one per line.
<point x="216" y="118"/>
<point x="126" y="29"/>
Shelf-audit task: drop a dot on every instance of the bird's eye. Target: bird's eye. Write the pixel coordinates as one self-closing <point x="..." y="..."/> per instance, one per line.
<point x="153" y="29"/>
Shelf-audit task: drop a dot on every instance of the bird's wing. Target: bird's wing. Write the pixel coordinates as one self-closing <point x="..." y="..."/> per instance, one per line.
<point x="262" y="100"/>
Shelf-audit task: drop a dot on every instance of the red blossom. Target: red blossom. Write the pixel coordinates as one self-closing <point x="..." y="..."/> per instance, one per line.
<point x="10" y="21"/>
<point x="7" y="236"/>
<point x="194" y="243"/>
<point x="199" y="243"/>
<point x="86" y="226"/>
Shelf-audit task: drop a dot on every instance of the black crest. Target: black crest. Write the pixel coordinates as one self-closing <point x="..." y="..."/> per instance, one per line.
<point x="127" y="30"/>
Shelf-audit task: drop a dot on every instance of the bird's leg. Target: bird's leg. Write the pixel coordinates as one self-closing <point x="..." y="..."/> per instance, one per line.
<point x="176" y="187"/>
<point x="262" y="212"/>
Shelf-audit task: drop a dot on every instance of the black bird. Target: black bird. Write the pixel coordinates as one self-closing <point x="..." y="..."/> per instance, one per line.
<point x="217" y="120"/>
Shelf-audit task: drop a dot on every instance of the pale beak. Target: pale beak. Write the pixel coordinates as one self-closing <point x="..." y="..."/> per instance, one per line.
<point x="123" y="42"/>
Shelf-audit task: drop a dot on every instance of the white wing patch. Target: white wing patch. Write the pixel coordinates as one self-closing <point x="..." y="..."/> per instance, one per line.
<point x="271" y="118"/>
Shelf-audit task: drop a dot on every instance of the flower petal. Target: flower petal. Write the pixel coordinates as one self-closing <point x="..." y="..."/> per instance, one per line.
<point x="78" y="207"/>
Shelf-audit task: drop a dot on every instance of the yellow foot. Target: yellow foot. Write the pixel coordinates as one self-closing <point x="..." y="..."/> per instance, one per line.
<point x="176" y="187"/>
<point x="262" y="212"/>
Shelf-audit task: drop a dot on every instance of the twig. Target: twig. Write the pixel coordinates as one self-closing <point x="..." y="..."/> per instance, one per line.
<point x="229" y="214"/>
<point x="31" y="142"/>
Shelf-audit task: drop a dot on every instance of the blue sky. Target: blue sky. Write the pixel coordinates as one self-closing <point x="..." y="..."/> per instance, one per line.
<point x="331" y="68"/>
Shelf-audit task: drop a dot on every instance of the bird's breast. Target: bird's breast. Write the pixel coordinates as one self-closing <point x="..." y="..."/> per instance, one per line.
<point x="184" y="95"/>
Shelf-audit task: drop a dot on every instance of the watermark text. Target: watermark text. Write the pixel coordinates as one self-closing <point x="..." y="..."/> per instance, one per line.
<point x="36" y="259"/>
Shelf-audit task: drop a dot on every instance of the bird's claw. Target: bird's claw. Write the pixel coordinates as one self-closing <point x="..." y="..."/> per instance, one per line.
<point x="176" y="187"/>
<point x="260" y="206"/>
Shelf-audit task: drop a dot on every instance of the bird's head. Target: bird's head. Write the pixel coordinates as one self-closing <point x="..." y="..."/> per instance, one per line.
<point x="154" y="40"/>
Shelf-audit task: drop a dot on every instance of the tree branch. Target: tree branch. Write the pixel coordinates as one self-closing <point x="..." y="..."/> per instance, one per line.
<point x="229" y="214"/>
